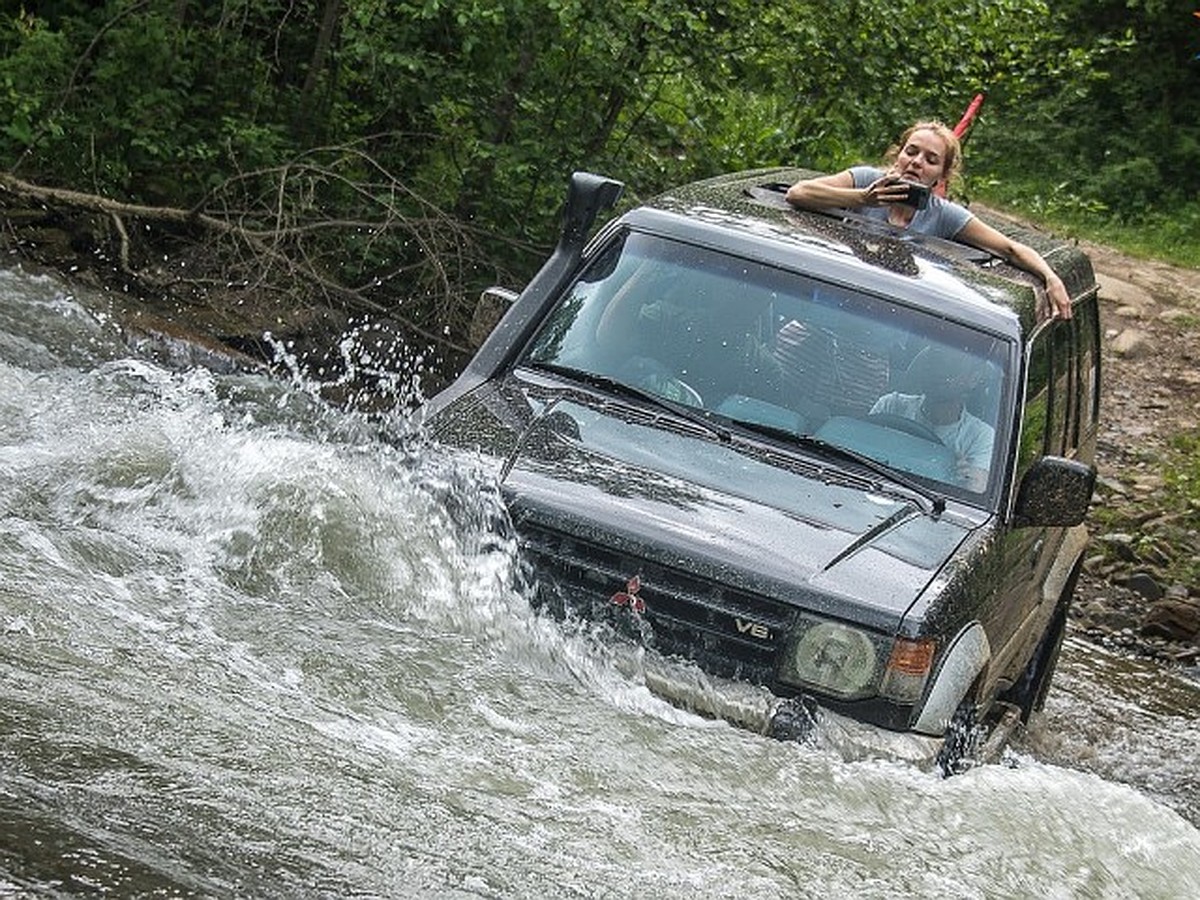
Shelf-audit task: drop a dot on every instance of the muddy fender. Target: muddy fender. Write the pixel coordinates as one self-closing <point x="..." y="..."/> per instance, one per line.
<point x="969" y="653"/>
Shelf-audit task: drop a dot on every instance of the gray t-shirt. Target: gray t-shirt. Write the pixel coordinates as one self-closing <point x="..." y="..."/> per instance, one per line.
<point x="941" y="218"/>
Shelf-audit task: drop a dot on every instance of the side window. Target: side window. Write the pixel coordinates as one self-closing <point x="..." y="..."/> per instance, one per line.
<point x="1060" y="439"/>
<point x="1036" y="415"/>
<point x="1087" y="327"/>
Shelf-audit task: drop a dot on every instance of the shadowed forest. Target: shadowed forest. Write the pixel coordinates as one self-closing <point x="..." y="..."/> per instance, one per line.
<point x="389" y="159"/>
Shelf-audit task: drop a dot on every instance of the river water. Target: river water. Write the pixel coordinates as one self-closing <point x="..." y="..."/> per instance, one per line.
<point x="249" y="646"/>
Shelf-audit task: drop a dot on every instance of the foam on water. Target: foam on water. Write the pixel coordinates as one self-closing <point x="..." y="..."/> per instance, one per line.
<point x="252" y="645"/>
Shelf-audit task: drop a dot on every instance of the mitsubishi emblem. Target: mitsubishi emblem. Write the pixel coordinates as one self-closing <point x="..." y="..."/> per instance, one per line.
<point x="629" y="597"/>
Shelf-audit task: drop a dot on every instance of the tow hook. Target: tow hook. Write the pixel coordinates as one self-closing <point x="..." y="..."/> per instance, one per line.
<point x="794" y="719"/>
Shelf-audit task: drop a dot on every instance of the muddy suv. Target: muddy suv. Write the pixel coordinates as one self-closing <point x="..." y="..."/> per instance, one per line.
<point x="800" y="454"/>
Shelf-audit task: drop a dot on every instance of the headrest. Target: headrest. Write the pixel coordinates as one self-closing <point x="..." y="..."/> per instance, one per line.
<point x="942" y="373"/>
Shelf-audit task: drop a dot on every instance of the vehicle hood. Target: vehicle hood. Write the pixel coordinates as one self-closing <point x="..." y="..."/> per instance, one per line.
<point x="805" y="530"/>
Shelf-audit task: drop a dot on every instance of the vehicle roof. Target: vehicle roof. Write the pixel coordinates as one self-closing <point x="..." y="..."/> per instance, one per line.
<point x="746" y="213"/>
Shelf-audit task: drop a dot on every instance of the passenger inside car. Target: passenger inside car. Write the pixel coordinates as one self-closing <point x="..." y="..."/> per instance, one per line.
<point x="830" y="372"/>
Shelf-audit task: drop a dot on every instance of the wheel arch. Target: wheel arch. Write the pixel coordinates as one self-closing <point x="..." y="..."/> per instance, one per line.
<point x="967" y="657"/>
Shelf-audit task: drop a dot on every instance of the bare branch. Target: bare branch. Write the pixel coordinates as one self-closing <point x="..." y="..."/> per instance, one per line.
<point x="333" y="220"/>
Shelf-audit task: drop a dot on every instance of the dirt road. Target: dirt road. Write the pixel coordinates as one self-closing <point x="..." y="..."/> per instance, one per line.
<point x="1139" y="591"/>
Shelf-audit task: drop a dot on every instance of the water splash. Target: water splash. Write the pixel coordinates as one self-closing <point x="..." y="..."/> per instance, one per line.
<point x="255" y="643"/>
<point x="372" y="369"/>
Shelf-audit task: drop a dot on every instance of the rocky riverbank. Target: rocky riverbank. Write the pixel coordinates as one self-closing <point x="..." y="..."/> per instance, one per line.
<point x="1141" y="587"/>
<point x="1140" y="591"/>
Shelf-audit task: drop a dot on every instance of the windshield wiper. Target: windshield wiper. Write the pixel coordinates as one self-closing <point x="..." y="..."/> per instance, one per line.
<point x="621" y="388"/>
<point x="935" y="503"/>
<point x="935" y="500"/>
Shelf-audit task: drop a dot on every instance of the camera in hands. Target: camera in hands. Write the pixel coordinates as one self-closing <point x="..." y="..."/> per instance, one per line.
<point x="918" y="194"/>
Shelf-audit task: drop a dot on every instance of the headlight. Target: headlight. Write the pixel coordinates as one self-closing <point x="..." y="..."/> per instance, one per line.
<point x="834" y="658"/>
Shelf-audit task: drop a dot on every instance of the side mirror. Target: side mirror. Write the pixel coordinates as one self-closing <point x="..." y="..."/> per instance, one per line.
<point x="493" y="303"/>
<point x="1055" y="492"/>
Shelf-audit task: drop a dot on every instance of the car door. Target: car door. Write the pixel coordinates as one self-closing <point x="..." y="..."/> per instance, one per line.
<point x="1019" y="611"/>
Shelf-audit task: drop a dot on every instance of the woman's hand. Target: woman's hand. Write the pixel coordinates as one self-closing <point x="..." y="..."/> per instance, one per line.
<point x="885" y="191"/>
<point x="1060" y="300"/>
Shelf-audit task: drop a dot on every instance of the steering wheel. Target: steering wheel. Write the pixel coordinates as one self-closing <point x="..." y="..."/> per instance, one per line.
<point x="676" y="389"/>
<point x="653" y="376"/>
<point x="905" y="424"/>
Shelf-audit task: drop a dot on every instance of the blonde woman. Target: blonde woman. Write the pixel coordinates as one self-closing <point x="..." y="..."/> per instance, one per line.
<point x="928" y="154"/>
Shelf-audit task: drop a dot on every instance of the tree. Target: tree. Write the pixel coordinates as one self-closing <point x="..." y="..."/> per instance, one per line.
<point x="1123" y="134"/>
<point x="382" y="111"/>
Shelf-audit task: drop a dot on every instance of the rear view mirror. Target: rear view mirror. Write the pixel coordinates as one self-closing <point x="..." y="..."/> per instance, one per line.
<point x="1055" y="492"/>
<point x="493" y="303"/>
<point x="498" y="296"/>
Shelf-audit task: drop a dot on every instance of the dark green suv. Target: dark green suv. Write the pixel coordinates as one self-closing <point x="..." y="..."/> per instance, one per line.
<point x="836" y="468"/>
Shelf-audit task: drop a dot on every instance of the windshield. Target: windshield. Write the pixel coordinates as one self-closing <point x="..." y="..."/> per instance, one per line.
<point x="789" y="355"/>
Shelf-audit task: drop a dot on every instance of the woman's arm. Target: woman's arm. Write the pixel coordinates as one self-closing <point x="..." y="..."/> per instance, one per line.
<point x="838" y="192"/>
<point x="827" y="192"/>
<point x="985" y="237"/>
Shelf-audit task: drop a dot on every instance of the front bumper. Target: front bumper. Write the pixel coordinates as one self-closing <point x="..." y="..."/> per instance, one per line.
<point x="756" y="709"/>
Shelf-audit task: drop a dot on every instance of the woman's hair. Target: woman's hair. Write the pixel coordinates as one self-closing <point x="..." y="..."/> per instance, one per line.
<point x="953" y="156"/>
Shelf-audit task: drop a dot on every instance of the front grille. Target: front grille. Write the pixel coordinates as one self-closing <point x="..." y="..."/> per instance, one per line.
<point x="727" y="631"/>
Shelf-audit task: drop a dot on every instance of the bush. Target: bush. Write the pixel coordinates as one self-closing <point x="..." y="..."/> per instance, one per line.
<point x="35" y="62"/>
<point x="1130" y="188"/>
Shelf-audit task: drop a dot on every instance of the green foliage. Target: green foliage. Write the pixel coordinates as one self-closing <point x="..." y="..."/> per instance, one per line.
<point x="1171" y="234"/>
<point x="35" y="61"/>
<point x="1168" y="540"/>
<point x="1123" y="131"/>
<point x="482" y="108"/>
<point x="1181" y="470"/>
